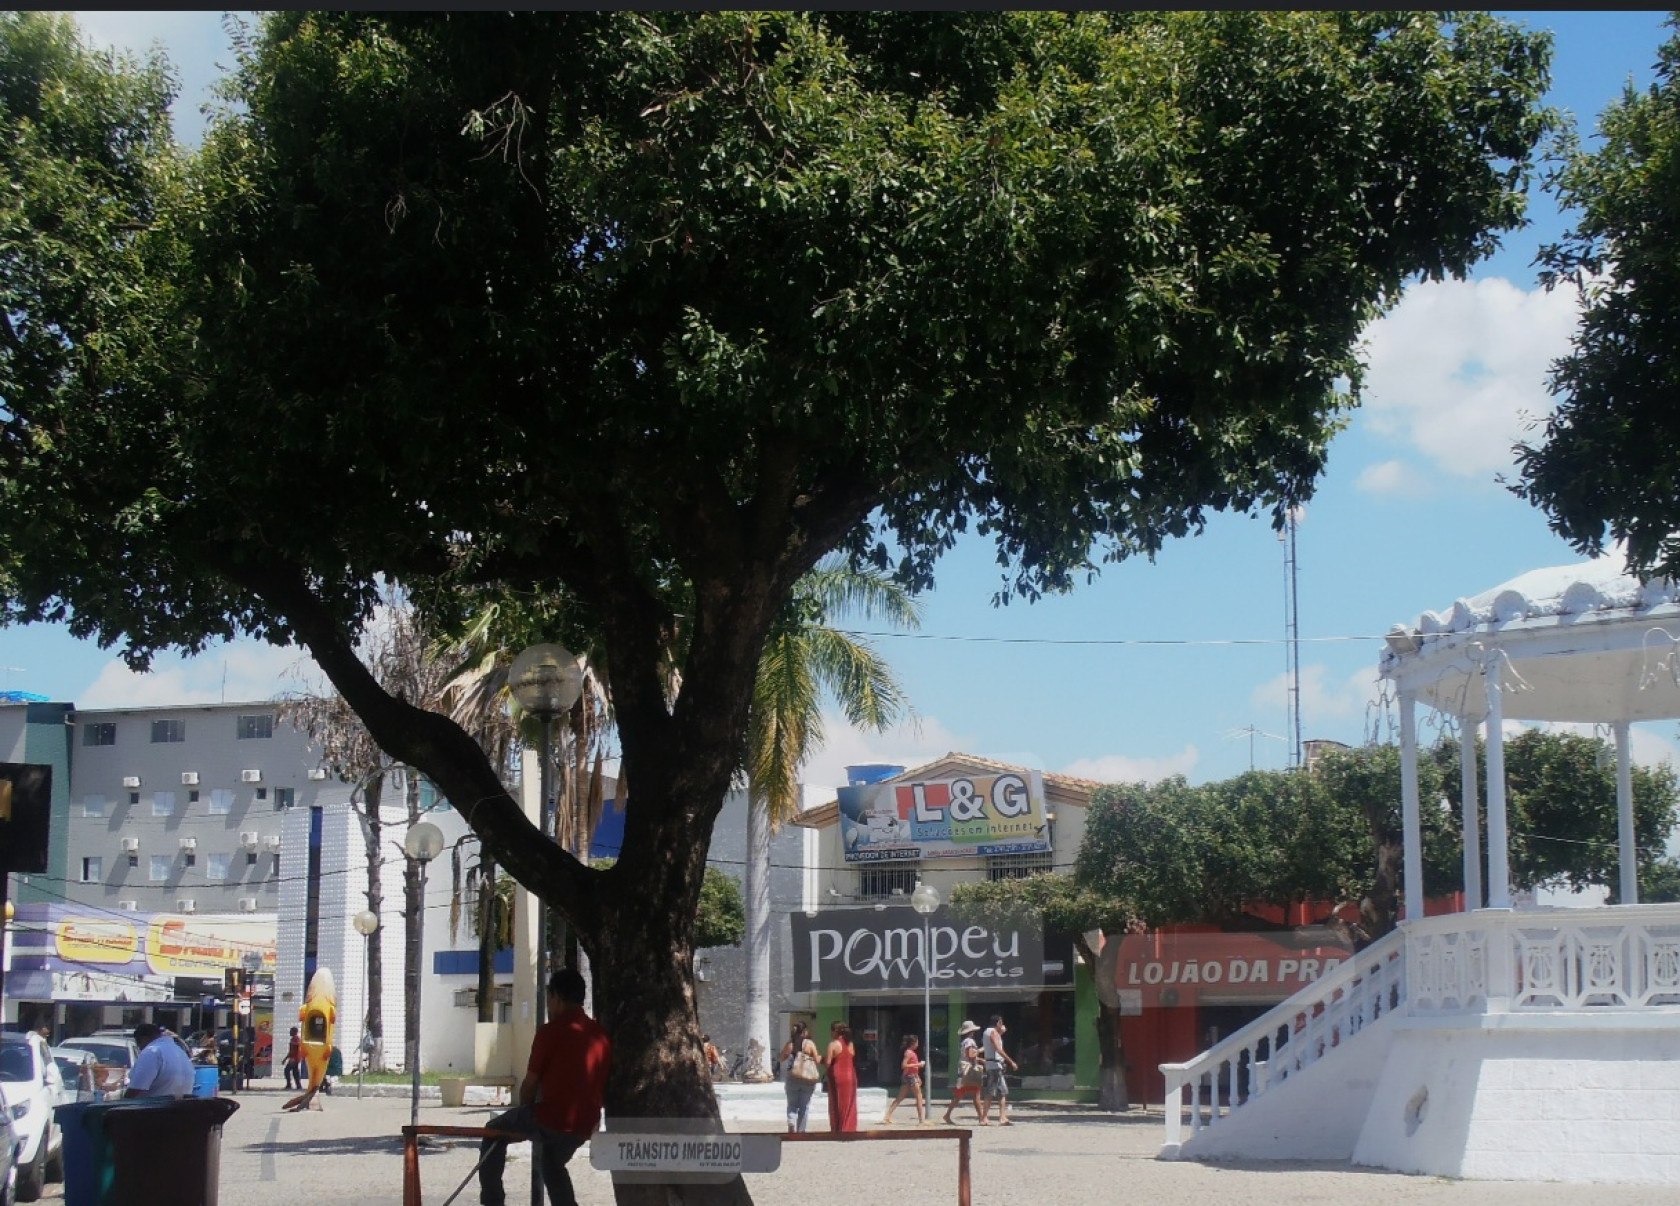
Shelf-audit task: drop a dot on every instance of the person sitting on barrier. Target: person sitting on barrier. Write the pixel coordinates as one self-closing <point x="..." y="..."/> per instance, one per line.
<point x="162" y="1068"/>
<point x="560" y="1098"/>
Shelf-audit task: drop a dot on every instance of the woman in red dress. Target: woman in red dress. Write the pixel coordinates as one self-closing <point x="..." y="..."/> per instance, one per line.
<point x="842" y="1080"/>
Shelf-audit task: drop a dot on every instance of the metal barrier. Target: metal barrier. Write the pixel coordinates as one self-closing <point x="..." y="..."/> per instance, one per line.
<point x="411" y="1150"/>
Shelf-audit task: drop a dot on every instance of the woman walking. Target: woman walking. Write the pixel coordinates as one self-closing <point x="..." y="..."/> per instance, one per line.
<point x="804" y="1070"/>
<point x="842" y="1079"/>
<point x="910" y="1080"/>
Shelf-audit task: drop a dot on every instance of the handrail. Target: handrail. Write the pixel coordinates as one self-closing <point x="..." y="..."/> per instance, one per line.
<point x="1288" y="1037"/>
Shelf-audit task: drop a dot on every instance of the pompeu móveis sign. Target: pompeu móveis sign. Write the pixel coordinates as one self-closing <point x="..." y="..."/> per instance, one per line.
<point x="966" y="816"/>
<point x="868" y="949"/>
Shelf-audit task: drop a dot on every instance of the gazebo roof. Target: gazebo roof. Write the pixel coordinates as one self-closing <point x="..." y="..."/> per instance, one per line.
<point x="1586" y="642"/>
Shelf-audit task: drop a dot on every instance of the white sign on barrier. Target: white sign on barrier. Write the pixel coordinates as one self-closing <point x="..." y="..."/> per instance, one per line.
<point x="678" y="1154"/>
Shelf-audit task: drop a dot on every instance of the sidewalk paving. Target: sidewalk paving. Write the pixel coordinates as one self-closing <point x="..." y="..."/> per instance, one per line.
<point x="350" y="1152"/>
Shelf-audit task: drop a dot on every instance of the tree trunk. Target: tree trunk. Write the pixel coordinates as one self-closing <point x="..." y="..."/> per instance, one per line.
<point x="755" y="1040"/>
<point x="374" y="1025"/>
<point x="487" y="938"/>
<point x="1111" y="1082"/>
<point x="414" y="906"/>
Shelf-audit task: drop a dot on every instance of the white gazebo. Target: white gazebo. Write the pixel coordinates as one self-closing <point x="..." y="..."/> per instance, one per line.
<point x="1496" y="1043"/>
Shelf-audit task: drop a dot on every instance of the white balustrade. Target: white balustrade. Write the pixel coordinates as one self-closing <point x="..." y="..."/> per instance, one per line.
<point x="1292" y="1035"/>
<point x="1621" y="958"/>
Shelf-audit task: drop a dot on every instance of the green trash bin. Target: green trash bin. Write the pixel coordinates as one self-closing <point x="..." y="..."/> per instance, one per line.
<point x="146" y="1152"/>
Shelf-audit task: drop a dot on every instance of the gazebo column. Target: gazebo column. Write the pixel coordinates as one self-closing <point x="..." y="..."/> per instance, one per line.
<point x="1409" y="814"/>
<point x="1470" y="794"/>
<point x="1499" y="840"/>
<point x="1624" y="813"/>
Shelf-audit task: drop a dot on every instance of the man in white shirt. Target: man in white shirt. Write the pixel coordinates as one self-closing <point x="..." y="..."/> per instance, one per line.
<point x="162" y="1069"/>
<point x="996" y="1086"/>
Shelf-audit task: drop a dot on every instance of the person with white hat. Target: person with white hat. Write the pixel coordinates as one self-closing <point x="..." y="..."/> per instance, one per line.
<point x="970" y="1072"/>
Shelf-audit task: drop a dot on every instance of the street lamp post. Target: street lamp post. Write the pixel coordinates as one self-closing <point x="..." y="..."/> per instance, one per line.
<point x="366" y="922"/>
<point x="545" y="680"/>
<point x="423" y="843"/>
<point x="925" y="900"/>
<point x="251" y="961"/>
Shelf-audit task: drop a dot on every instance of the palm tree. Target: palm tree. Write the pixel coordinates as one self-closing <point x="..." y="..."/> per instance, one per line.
<point x="804" y="661"/>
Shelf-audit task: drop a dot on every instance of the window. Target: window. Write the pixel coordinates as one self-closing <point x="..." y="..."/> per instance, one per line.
<point x="93" y="806"/>
<point x="283" y="798"/>
<point x="1017" y="866"/>
<point x="102" y="733"/>
<point x="192" y="796"/>
<point x="219" y="867"/>
<point x="250" y="858"/>
<point x="256" y="726"/>
<point x="163" y="803"/>
<point x="168" y="731"/>
<point x="93" y="870"/>
<point x="159" y="872"/>
<point x="221" y="801"/>
<point x="134" y="797"/>
<point x="262" y="793"/>
<point x="274" y="871"/>
<point x="878" y="882"/>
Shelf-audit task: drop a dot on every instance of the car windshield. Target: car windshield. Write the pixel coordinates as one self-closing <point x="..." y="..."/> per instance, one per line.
<point x="69" y="1066"/>
<point x="15" y="1063"/>
<point x="105" y="1053"/>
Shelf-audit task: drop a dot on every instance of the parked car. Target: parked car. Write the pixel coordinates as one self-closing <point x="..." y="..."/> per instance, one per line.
<point x="9" y="1145"/>
<point x="30" y="1087"/>
<point x="115" y="1052"/>
<point x="78" y="1069"/>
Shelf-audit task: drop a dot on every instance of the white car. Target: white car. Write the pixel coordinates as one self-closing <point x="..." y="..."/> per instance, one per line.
<point x="30" y="1086"/>
<point x="116" y="1054"/>
<point x="78" y="1070"/>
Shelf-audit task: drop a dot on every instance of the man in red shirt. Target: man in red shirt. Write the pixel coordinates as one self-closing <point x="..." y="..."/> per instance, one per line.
<point x="560" y="1097"/>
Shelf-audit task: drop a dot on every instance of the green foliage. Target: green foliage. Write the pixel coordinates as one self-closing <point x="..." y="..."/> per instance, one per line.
<point x="1606" y="468"/>
<point x="1178" y="853"/>
<point x="1050" y="901"/>
<point x="722" y="918"/>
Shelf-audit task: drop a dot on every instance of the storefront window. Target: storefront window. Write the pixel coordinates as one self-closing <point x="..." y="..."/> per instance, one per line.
<point x="1038" y="1033"/>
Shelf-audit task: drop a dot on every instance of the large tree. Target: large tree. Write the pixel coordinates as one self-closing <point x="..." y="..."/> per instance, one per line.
<point x="650" y="308"/>
<point x="1608" y="462"/>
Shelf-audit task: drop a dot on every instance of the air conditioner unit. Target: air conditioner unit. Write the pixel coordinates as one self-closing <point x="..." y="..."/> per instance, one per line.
<point x="317" y="775"/>
<point x="247" y="904"/>
<point x="189" y="843"/>
<point x="128" y="906"/>
<point x="131" y="845"/>
<point x="249" y="838"/>
<point x="186" y="905"/>
<point x="250" y="776"/>
<point x="272" y="841"/>
<point x="189" y="778"/>
<point x="131" y="780"/>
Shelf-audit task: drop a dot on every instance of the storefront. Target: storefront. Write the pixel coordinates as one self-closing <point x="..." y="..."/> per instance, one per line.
<point x="865" y="966"/>
<point x="1181" y="991"/>
<point x="78" y="970"/>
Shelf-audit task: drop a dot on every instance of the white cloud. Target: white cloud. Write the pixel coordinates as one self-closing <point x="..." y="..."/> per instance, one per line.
<point x="1322" y="700"/>
<point x="237" y="672"/>
<point x="1458" y="370"/>
<point x="1649" y="747"/>
<point x="908" y="744"/>
<point x="1392" y="477"/>
<point x="1122" y="768"/>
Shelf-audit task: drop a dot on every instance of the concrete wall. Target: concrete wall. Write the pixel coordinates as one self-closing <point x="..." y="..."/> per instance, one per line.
<point x="1557" y="1098"/>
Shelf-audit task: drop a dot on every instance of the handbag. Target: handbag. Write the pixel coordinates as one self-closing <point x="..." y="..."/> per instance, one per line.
<point x="804" y="1067"/>
<point x="971" y="1075"/>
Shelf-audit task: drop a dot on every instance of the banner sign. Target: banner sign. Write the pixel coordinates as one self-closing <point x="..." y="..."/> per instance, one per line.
<point x="1165" y="969"/>
<point x="875" y="949"/>
<point x="66" y="938"/>
<point x="967" y="816"/>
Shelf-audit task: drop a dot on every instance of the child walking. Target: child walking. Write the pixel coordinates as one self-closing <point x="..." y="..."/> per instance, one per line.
<point x="910" y="1080"/>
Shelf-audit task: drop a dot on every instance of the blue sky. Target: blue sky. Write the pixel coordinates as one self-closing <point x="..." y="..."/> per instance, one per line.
<point x="1409" y="517"/>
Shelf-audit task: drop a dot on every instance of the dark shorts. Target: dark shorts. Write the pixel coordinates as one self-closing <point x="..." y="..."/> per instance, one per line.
<point x="912" y="1080"/>
<point x="996" y="1084"/>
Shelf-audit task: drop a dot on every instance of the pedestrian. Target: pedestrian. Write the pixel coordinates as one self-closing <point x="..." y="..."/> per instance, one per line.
<point x="804" y="1070"/>
<point x="293" y="1067"/>
<point x="842" y="1079"/>
<point x="714" y="1059"/>
<point x="560" y="1097"/>
<point x="162" y="1068"/>
<point x="971" y="1073"/>
<point x="996" y="1085"/>
<point x="909" y="1080"/>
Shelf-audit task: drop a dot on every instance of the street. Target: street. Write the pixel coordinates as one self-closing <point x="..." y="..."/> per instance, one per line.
<point x="350" y="1152"/>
